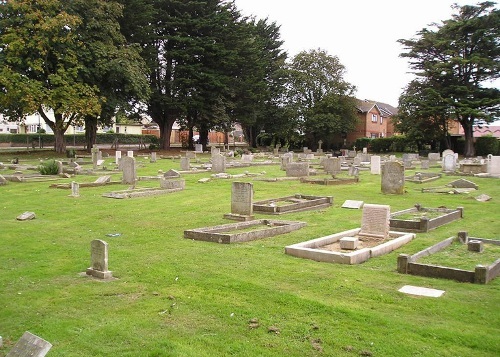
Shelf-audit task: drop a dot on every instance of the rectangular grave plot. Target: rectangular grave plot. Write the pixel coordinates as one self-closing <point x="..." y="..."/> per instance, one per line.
<point x="423" y="177"/>
<point x="290" y="204"/>
<point x="409" y="264"/>
<point x="330" y="181"/>
<point x="420" y="219"/>
<point x="243" y="231"/>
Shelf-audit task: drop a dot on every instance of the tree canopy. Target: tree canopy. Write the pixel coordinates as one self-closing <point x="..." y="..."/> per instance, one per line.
<point x="454" y="64"/>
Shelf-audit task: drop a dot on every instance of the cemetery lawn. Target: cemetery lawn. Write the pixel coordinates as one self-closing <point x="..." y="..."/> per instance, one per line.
<point x="173" y="296"/>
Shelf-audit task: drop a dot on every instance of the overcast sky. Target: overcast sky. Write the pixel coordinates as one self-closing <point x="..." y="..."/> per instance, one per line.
<point x="363" y="34"/>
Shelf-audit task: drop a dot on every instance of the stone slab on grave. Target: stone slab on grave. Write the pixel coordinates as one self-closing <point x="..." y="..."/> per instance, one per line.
<point x="423" y="177"/>
<point x="103" y="179"/>
<point x="172" y="183"/>
<point x="3" y="180"/>
<point x="462" y="183"/>
<point x="30" y="345"/>
<point x="352" y="204"/>
<point x="420" y="291"/>
<point x="172" y="174"/>
<point x="241" y="202"/>
<point x="139" y="192"/>
<point x="99" y="260"/>
<point x="26" y="216"/>
<point x="243" y="231"/>
<point x="375" y="221"/>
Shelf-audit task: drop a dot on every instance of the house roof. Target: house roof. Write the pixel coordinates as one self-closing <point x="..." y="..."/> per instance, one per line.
<point x="483" y="130"/>
<point x="365" y="105"/>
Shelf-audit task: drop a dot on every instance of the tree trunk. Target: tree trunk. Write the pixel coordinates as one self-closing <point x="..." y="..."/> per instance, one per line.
<point x="165" y="133"/>
<point x="469" y="140"/>
<point x="60" y="145"/>
<point x="90" y="132"/>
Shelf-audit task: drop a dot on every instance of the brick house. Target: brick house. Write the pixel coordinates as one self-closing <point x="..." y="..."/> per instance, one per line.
<point x="374" y="120"/>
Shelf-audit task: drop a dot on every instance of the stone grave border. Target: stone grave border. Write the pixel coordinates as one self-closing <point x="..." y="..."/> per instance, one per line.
<point x="329" y="181"/>
<point x="424" y="177"/>
<point x="312" y="249"/>
<point x="313" y="202"/>
<point x="424" y="224"/>
<point x="222" y="233"/>
<point x="139" y="192"/>
<point x="407" y="264"/>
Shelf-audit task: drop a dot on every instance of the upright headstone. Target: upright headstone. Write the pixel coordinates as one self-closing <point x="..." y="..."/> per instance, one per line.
<point x="129" y="171"/>
<point x="375" y="165"/>
<point x="424" y="164"/>
<point x="75" y="189"/>
<point x="198" y="148"/>
<point x="447" y="152"/>
<point x="214" y="150"/>
<point x="241" y="201"/>
<point x="218" y="164"/>
<point x="118" y="156"/>
<point x="494" y="165"/>
<point x="365" y="150"/>
<point x="185" y="165"/>
<point x="172" y="183"/>
<point x="60" y="167"/>
<point x="449" y="163"/>
<point x="434" y="156"/>
<point x="375" y="221"/>
<point x="297" y="169"/>
<point x="99" y="260"/>
<point x="393" y="178"/>
<point x="30" y="345"/>
<point x="285" y="160"/>
<point x="191" y="154"/>
<point x="94" y="152"/>
<point x="246" y="158"/>
<point x="353" y="171"/>
<point x="153" y="157"/>
<point x="320" y="150"/>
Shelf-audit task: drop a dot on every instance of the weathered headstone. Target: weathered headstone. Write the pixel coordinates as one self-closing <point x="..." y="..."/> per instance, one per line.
<point x="285" y="160"/>
<point x="214" y="150"/>
<point x="3" y="180"/>
<point x="99" y="260"/>
<point x="375" y="221"/>
<point x="172" y="174"/>
<point x="26" y="216"/>
<point x="30" y="345"/>
<point x="103" y="179"/>
<point x="365" y="150"/>
<point x="449" y="163"/>
<point x="94" y="152"/>
<point x="434" y="156"/>
<point x="153" y="157"/>
<point x="494" y="165"/>
<point x="185" y="165"/>
<point x="241" y="201"/>
<point x="246" y="158"/>
<point x="60" y="167"/>
<point x="375" y="165"/>
<point x="129" y="171"/>
<point x="424" y="164"/>
<point x="320" y="150"/>
<point x="447" y="152"/>
<point x="393" y="178"/>
<point x="172" y="184"/>
<point x="218" y="164"/>
<point x="353" y="171"/>
<point x="118" y="156"/>
<point x="198" y="148"/>
<point x="75" y="189"/>
<point x="297" y="169"/>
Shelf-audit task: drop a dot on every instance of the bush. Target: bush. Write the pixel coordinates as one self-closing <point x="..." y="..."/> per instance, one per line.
<point x="49" y="168"/>
<point x="361" y="143"/>
<point x="486" y="145"/>
<point x="70" y="153"/>
<point x="381" y="145"/>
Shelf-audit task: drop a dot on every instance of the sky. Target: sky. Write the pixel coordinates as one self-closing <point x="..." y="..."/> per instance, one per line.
<point x="363" y="34"/>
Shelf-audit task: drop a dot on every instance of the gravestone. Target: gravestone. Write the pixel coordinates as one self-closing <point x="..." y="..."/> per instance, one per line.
<point x="3" y="180"/>
<point x="424" y="164"/>
<point x="246" y="158"/>
<point x="352" y="204"/>
<point x="103" y="179"/>
<point x="75" y="189"/>
<point x="393" y="178"/>
<point x="320" y="150"/>
<point x="153" y="157"/>
<point x="30" y="345"/>
<point x="172" y="183"/>
<point x="60" y="167"/>
<point x="447" y="152"/>
<point x="375" y="165"/>
<point x="94" y="152"/>
<point x="241" y="201"/>
<point x="434" y="156"/>
<point x="356" y="161"/>
<point x="449" y="163"/>
<point x="218" y="164"/>
<point x="129" y="171"/>
<point x="172" y="174"/>
<point x="285" y="160"/>
<point x="494" y="165"/>
<point x="365" y="150"/>
<point x="353" y="171"/>
<point x="375" y="221"/>
<point x="297" y="169"/>
<point x="191" y="154"/>
<point x="463" y="183"/>
<point x="118" y="156"/>
<point x="185" y="165"/>
<point x="214" y="150"/>
<point x="99" y="260"/>
<point x="198" y="148"/>
<point x="130" y="153"/>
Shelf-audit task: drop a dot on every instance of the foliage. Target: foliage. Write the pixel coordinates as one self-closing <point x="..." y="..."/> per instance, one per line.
<point x="486" y="145"/>
<point x="319" y="101"/>
<point x="70" y="153"/>
<point x="361" y="143"/>
<point x="48" y="168"/>
<point x="379" y="145"/>
<point x="455" y="63"/>
<point x="179" y="297"/>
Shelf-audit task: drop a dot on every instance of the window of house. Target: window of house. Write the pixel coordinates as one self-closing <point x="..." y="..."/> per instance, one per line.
<point x="374" y="118"/>
<point x="374" y="135"/>
<point x="381" y="119"/>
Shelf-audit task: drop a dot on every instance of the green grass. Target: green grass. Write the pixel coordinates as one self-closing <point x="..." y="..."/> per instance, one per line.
<point x="179" y="297"/>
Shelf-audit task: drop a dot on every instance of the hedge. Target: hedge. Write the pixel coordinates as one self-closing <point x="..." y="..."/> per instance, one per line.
<point x="486" y="145"/>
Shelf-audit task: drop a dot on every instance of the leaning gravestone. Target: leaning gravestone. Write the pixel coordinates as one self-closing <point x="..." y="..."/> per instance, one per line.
<point x="129" y="172"/>
<point x="393" y="178"/>
<point x="99" y="260"/>
<point x="297" y="169"/>
<point x="218" y="164"/>
<point x="375" y="221"/>
<point x="241" y="201"/>
<point x="30" y="345"/>
<point x="172" y="174"/>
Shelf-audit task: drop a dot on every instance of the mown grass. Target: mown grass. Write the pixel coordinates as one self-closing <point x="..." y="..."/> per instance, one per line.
<point x="179" y="297"/>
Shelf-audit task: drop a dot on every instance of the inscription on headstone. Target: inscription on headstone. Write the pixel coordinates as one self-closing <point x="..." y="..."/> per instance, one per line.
<point x="375" y="221"/>
<point x="242" y="198"/>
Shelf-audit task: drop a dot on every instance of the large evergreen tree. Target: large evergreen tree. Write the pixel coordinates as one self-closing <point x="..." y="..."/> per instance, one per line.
<point x="458" y="60"/>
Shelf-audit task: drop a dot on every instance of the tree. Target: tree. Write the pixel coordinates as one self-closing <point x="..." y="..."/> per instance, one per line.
<point x="41" y="67"/>
<point x="321" y="101"/>
<point x="422" y="101"/>
<point x="458" y="60"/>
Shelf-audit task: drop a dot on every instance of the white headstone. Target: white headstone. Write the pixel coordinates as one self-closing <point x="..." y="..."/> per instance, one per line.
<point x="449" y="163"/>
<point x="494" y="165"/>
<point x="130" y="153"/>
<point x="118" y="156"/>
<point x="375" y="165"/>
<point x="75" y="189"/>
